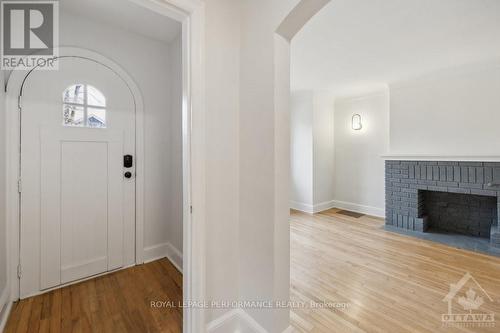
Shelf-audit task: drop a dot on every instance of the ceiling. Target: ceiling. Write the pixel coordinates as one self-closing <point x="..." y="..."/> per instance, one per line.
<point x="353" y="47"/>
<point x="126" y="15"/>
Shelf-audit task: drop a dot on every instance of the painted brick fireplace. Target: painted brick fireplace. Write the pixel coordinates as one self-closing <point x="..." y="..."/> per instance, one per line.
<point x="456" y="197"/>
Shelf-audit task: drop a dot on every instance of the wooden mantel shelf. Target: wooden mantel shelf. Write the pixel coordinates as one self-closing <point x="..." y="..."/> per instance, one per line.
<point x="446" y="158"/>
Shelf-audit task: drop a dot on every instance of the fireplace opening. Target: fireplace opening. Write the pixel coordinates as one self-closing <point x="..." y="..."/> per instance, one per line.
<point x="465" y="214"/>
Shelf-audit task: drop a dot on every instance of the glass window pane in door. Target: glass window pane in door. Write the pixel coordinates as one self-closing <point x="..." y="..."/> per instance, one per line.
<point x="95" y="97"/>
<point x="74" y="94"/>
<point x="96" y="118"/>
<point x="73" y="115"/>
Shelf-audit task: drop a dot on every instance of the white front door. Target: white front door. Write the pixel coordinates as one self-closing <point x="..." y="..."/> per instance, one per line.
<point x="78" y="195"/>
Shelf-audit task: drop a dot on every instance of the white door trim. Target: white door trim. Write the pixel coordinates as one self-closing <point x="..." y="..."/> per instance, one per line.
<point x="191" y="13"/>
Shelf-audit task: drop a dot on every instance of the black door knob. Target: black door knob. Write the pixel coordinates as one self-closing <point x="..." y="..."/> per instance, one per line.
<point x="128" y="174"/>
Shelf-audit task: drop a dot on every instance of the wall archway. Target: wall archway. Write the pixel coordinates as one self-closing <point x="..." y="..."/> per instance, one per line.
<point x="289" y="27"/>
<point x="298" y="17"/>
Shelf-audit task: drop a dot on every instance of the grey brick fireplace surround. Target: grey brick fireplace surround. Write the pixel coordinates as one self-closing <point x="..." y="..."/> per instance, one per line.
<point x="461" y="197"/>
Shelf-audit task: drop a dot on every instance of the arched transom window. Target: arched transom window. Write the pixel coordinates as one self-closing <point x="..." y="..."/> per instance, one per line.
<point x="84" y="106"/>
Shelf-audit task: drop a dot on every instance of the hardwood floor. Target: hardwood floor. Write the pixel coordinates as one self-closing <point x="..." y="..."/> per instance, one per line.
<point x="392" y="283"/>
<point x="118" y="302"/>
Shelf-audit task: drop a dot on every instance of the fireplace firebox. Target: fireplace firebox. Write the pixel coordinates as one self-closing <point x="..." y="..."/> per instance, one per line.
<point x="442" y="196"/>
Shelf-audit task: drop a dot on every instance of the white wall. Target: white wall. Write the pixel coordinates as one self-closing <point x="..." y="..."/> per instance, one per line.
<point x="323" y="149"/>
<point x="264" y="249"/>
<point x="246" y="258"/>
<point x="450" y="112"/>
<point x="4" y="288"/>
<point x="175" y="225"/>
<point x="312" y="150"/>
<point x="151" y="64"/>
<point x="301" y="152"/>
<point x="222" y="132"/>
<point x="247" y="153"/>
<point x="359" y="168"/>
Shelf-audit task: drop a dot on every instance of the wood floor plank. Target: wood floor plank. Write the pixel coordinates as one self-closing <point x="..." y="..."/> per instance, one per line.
<point x="117" y="302"/>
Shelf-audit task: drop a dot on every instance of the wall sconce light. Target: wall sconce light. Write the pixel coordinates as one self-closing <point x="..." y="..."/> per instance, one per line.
<point x="356" y="122"/>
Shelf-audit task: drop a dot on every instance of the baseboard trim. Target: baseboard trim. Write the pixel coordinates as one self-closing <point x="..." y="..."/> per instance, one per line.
<point x="324" y="206"/>
<point x="228" y="322"/>
<point x="363" y="209"/>
<point x="4" y="297"/>
<point x="250" y="324"/>
<point x="164" y="250"/>
<point x="236" y="320"/>
<point x="312" y="209"/>
<point x="302" y="207"/>
<point x="368" y="210"/>
<point x="5" y="308"/>
<point x="175" y="257"/>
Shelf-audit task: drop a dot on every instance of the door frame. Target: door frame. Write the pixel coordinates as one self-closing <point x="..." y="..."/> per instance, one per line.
<point x="15" y="89"/>
<point x="191" y="14"/>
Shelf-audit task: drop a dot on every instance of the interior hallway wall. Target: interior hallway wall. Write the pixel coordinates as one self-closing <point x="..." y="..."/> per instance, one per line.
<point x="359" y="167"/>
<point x="312" y="154"/>
<point x="323" y="150"/>
<point x="301" y="152"/>
<point x="246" y="84"/>
<point x="175" y="225"/>
<point x="150" y="64"/>
<point x="263" y="242"/>
<point x="4" y="287"/>
<point x="223" y="19"/>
